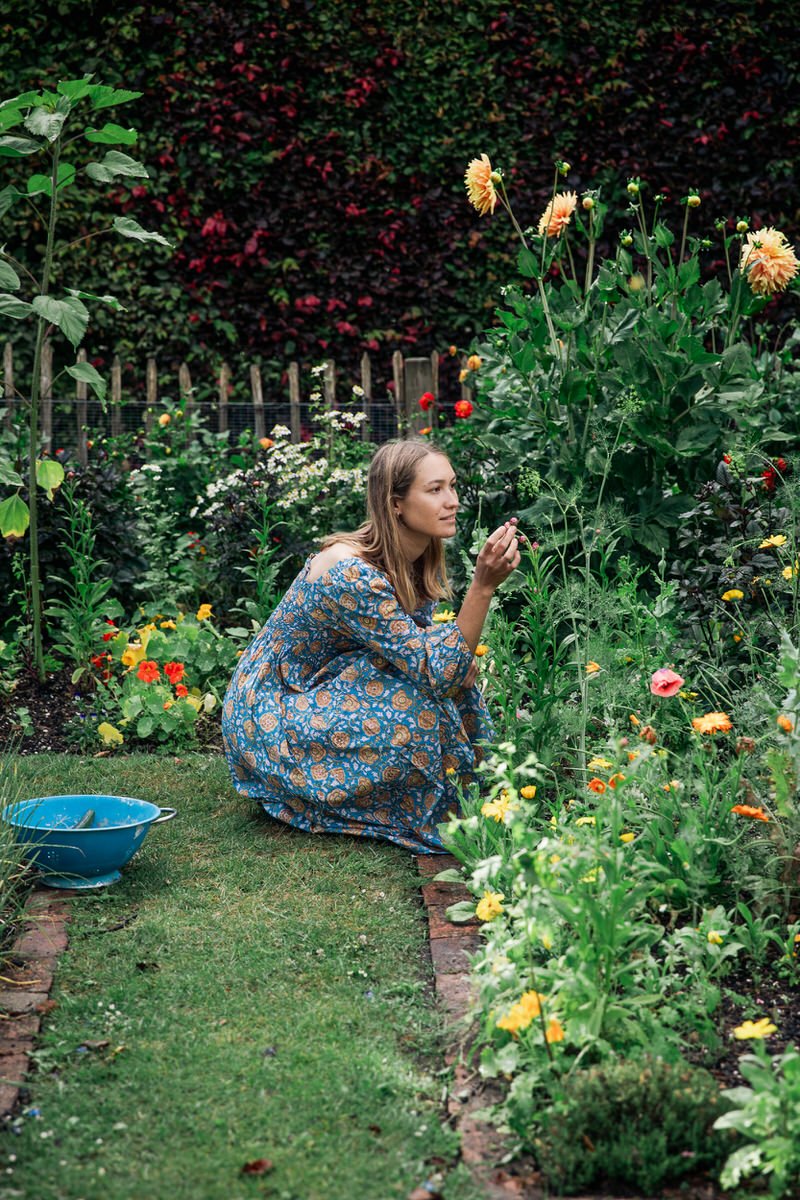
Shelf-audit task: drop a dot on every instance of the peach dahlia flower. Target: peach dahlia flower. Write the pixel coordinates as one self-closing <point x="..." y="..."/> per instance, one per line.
<point x="768" y="261"/>
<point x="480" y="188"/>
<point x="556" y="217"/>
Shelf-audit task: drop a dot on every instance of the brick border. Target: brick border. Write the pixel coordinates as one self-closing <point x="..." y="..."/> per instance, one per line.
<point x="27" y="979"/>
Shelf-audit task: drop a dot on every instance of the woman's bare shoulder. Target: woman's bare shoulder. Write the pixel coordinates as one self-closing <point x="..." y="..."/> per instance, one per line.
<point x="326" y="558"/>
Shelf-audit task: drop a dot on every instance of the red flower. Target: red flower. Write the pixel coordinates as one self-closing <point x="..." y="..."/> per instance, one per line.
<point x="148" y="671"/>
<point x="426" y="400"/>
<point x="108" y="636"/>
<point x="463" y="408"/>
<point x="99" y="661"/>
<point x="174" y="672"/>
<point x="181" y="690"/>
<point x="770" y="477"/>
<point x="781" y="464"/>
<point x="726" y="458"/>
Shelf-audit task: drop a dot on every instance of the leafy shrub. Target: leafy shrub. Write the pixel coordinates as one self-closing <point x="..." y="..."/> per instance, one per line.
<point x="638" y="1124"/>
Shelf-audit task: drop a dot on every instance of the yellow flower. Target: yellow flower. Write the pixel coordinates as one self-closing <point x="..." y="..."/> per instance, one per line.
<point x="489" y="906"/>
<point x="713" y="722"/>
<point x="520" y="1015"/>
<point x="586" y="821"/>
<point x="194" y="702"/>
<point x="715" y="937"/>
<point x="768" y="261"/>
<point x="150" y="627"/>
<point x="168" y="625"/>
<point x="627" y="837"/>
<point x="599" y="764"/>
<point x="787" y="573"/>
<point x="481" y="649"/>
<point x="204" y="612"/>
<point x="528" y="792"/>
<point x="554" y="1031"/>
<point x="737" y="637"/>
<point x="634" y="720"/>
<point x="133" y="655"/>
<point x="450" y="771"/>
<point x="164" y="420"/>
<point x="446" y="614"/>
<point x="785" y="723"/>
<point x="733" y="594"/>
<point x="590" y="876"/>
<point x="592" y="668"/>
<point x="474" y="362"/>
<point x="558" y="214"/>
<point x="462" y="375"/>
<point x="109" y="736"/>
<point x="777" y="539"/>
<point x="498" y="808"/>
<point x="480" y="186"/>
<point x="755" y="1029"/>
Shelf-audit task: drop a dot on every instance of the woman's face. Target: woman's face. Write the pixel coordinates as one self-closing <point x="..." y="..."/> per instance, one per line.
<point x="429" y="507"/>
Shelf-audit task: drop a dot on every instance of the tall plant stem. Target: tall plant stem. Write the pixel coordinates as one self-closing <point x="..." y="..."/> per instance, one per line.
<point x="587" y="283"/>
<point x="33" y="427"/>
<point x="503" y="196"/>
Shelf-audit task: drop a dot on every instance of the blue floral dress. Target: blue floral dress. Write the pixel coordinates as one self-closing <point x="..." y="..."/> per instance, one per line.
<point x="347" y="715"/>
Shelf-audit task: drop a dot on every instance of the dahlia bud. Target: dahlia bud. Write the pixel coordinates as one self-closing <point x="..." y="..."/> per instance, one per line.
<point x="564" y="168"/>
<point x="633" y="188"/>
<point x="742" y="226"/>
<point x="626" y="240"/>
<point x="693" y="200"/>
<point x="496" y="177"/>
<point x="588" y="203"/>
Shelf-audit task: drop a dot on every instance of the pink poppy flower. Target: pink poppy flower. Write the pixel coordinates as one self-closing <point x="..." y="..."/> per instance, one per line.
<point x="665" y="682"/>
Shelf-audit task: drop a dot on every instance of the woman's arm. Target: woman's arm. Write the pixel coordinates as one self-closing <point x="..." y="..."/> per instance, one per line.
<point x="498" y="557"/>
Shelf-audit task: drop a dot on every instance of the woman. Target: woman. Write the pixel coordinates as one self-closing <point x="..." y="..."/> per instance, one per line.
<point x="351" y="712"/>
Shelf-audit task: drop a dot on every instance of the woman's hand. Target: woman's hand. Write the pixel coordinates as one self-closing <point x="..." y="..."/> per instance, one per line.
<point x="471" y="675"/>
<point x="499" y="556"/>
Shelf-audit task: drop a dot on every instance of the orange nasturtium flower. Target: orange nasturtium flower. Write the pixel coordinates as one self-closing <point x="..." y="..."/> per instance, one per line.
<point x="181" y="691"/>
<point x="556" y="217"/>
<point x="520" y="1015"/>
<point x="596" y="785"/>
<point x="528" y="792"/>
<point x="148" y="671"/>
<point x="747" y="810"/>
<point x="768" y="261"/>
<point x="786" y="723"/>
<point x="489" y="906"/>
<point x="480" y="185"/>
<point x="713" y="722"/>
<point x="554" y="1031"/>
<point x="174" y="672"/>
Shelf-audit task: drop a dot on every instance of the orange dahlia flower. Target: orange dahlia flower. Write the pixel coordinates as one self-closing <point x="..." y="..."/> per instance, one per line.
<point x="768" y="261"/>
<point x="480" y="186"/>
<point x="556" y="217"/>
<point x="713" y="722"/>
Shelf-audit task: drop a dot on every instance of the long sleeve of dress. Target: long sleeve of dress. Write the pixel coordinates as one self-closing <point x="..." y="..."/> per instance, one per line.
<point x="363" y="606"/>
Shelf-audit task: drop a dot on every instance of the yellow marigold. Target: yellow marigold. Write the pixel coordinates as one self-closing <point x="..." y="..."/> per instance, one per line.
<point x="489" y="906"/>
<point x="768" y="261"/>
<point x="627" y="837"/>
<point x="528" y="792"/>
<point x="713" y="722"/>
<point x="474" y="362"/>
<point x="599" y="764"/>
<point x="554" y="1031"/>
<point x="481" y="649"/>
<point x="520" y="1015"/>
<point x="556" y="217"/>
<point x="755" y="1029"/>
<point x="777" y="539"/>
<point x="715" y="937"/>
<point x="785" y="723"/>
<point x="592" y="668"/>
<point x="204" y="612"/>
<point x="480" y="186"/>
<point x="733" y="594"/>
<point x="498" y="808"/>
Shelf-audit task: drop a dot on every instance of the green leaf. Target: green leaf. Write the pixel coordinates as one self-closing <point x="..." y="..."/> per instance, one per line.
<point x="12" y="306"/>
<point x="111" y="301"/>
<point x="74" y="89"/>
<point x="86" y="373"/>
<point x="24" y="100"/>
<point x="43" y="123"/>
<point x="14" y="517"/>
<point x="17" y="147"/>
<point x="464" y="910"/>
<point x="43" y="184"/>
<point x="9" y="477"/>
<point x="451" y="875"/>
<point x="144" y="727"/>
<point x="70" y="315"/>
<point x="103" y="97"/>
<point x="111" y="135"/>
<point x="662" y="236"/>
<point x="116" y="163"/>
<point x="688" y="274"/>
<point x="49" y="475"/>
<point x="132" y="229"/>
<point x="8" y="198"/>
<point x="8" y="276"/>
<point x="527" y="263"/>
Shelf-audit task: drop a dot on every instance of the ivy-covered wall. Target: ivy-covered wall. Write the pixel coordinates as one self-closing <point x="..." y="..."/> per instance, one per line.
<point x="307" y="158"/>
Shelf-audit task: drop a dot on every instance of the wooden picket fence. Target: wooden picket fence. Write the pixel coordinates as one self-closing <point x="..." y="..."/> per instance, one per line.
<point x="80" y="418"/>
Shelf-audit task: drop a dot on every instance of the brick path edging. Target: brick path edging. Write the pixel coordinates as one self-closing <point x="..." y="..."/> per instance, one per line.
<point x="25" y="987"/>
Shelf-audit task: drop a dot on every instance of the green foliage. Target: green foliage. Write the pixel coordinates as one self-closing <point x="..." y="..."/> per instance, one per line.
<point x="767" y="1114"/>
<point x="636" y="1124"/>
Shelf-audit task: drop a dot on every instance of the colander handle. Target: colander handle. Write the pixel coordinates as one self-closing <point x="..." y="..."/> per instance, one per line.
<point x="166" y="815"/>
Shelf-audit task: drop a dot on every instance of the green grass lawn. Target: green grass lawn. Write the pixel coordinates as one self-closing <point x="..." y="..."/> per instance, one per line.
<point x="264" y="993"/>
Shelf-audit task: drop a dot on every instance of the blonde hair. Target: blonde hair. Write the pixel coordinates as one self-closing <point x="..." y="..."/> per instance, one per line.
<point x="391" y="473"/>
